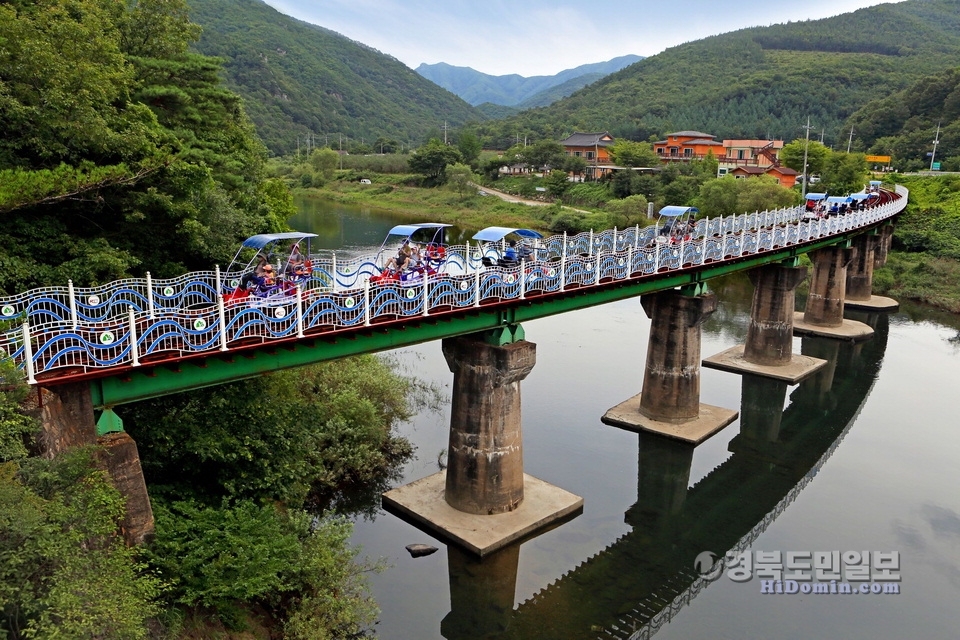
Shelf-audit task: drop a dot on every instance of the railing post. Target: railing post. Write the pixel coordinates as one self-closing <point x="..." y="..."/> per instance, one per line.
<point x="636" y="237"/>
<point x="299" y="293"/>
<point x="743" y="234"/>
<point x="466" y="260"/>
<point x="73" y="304"/>
<point x="563" y="264"/>
<point x="222" y="315"/>
<point x="366" y="303"/>
<point x="333" y="272"/>
<point x="590" y="250"/>
<point x="150" y="307"/>
<point x="134" y="356"/>
<point x="476" y="287"/>
<point x="596" y="276"/>
<point x="682" y="245"/>
<point x="523" y="279"/>
<point x="615" y="246"/>
<point x="629" y="262"/>
<point x="426" y="294"/>
<point x="28" y="354"/>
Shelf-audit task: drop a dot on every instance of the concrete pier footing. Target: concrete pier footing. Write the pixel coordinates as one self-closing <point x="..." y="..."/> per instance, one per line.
<point x="859" y="294"/>
<point x="823" y="314"/>
<point x="669" y="402"/>
<point x="768" y="350"/>
<point x="484" y="501"/>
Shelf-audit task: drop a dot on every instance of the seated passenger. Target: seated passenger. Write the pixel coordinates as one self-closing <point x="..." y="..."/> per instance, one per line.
<point x="400" y="261"/>
<point x="254" y="276"/>
<point x="525" y="252"/>
<point x="295" y="261"/>
<point x="510" y="254"/>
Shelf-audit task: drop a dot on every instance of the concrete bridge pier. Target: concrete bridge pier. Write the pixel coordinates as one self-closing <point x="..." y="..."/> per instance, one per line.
<point x="669" y="402"/>
<point x="761" y="410"/>
<point x="823" y="314"/>
<point x="860" y="276"/>
<point x="768" y="350"/>
<point x="67" y="420"/>
<point x="883" y="245"/>
<point x="484" y="501"/>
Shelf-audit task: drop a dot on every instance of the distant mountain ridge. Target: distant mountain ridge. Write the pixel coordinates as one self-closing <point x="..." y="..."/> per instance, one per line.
<point x="515" y="90"/>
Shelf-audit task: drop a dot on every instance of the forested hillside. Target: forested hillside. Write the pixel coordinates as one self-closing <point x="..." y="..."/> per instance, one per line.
<point x="904" y="124"/>
<point x="121" y="152"/>
<point x="760" y="82"/>
<point x="298" y="78"/>
<point x="515" y="90"/>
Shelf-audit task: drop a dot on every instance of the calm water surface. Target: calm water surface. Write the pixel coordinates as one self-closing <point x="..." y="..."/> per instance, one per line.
<point x="863" y="457"/>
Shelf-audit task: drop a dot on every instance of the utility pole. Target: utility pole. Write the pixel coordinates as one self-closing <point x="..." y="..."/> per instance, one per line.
<point x="936" y="141"/>
<point x="444" y="132"/>
<point x="340" y="154"/>
<point x="850" y="139"/>
<point x="806" y="144"/>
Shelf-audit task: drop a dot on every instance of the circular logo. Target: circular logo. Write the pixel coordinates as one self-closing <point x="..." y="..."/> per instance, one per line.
<point x="93" y="301"/>
<point x="168" y="291"/>
<point x="589" y="266"/>
<point x="350" y="301"/>
<point x="347" y="271"/>
<point x="199" y="324"/>
<point x="509" y="278"/>
<point x="551" y="272"/>
<point x="464" y="285"/>
<point x="476" y="255"/>
<point x="106" y="337"/>
<point x="620" y="262"/>
<point x="708" y="565"/>
<point x="279" y="312"/>
<point x="411" y="294"/>
<point x="233" y="283"/>
<point x="571" y="244"/>
<point x="8" y="310"/>
<point x="620" y="237"/>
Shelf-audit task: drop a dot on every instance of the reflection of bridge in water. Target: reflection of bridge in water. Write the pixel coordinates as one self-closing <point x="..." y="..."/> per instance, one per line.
<point x="639" y="582"/>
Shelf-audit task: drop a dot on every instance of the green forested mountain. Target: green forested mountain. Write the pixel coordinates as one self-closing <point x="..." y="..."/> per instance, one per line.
<point x="760" y="82"/>
<point x="298" y="78"/>
<point x="904" y="124"/>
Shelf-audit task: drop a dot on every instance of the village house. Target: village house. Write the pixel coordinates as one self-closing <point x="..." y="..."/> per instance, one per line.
<point x="786" y="176"/>
<point x="687" y="145"/>
<point x="594" y="148"/>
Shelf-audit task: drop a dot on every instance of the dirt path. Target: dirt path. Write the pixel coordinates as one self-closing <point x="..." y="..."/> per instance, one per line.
<point x="506" y="197"/>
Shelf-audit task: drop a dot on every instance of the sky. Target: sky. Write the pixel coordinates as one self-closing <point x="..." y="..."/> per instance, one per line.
<point x="538" y="37"/>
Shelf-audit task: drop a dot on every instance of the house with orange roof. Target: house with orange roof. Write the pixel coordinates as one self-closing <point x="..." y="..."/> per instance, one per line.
<point x="687" y="145"/>
<point x="786" y="176"/>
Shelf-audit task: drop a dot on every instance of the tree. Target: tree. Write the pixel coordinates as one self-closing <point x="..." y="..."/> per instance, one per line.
<point x="544" y="154"/>
<point x="557" y="182"/>
<point x="459" y="176"/>
<point x="575" y="165"/>
<point x="628" y="153"/>
<point x="729" y="195"/>
<point x="843" y="173"/>
<point x="324" y="161"/>
<point x="792" y="155"/>
<point x="431" y="160"/>
<point x="469" y="146"/>
<point x="65" y="573"/>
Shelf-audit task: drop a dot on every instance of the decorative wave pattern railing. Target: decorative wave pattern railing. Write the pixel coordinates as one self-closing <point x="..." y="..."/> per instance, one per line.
<point x="132" y="322"/>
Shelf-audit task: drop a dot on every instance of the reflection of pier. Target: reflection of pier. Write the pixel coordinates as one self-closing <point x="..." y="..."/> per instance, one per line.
<point x="645" y="577"/>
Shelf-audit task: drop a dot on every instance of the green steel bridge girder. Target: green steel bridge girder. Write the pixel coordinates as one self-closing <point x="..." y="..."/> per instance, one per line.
<point x="498" y="324"/>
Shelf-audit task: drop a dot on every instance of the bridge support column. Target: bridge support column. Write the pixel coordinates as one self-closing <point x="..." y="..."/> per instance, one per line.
<point x="769" y="347"/>
<point x="823" y="314"/>
<point x="67" y="420"/>
<point x="485" y="456"/>
<point x="669" y="402"/>
<point x="484" y="501"/>
<point x="883" y="246"/>
<point x="860" y="276"/>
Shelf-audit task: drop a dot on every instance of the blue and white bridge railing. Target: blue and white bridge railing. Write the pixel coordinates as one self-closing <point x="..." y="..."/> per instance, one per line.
<point x="135" y="321"/>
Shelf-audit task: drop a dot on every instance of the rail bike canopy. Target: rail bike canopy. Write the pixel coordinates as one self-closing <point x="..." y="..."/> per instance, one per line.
<point x="816" y="196"/>
<point x="673" y="211"/>
<point x="496" y="234"/>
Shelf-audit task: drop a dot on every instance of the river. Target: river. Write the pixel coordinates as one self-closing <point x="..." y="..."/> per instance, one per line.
<point x="862" y="457"/>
